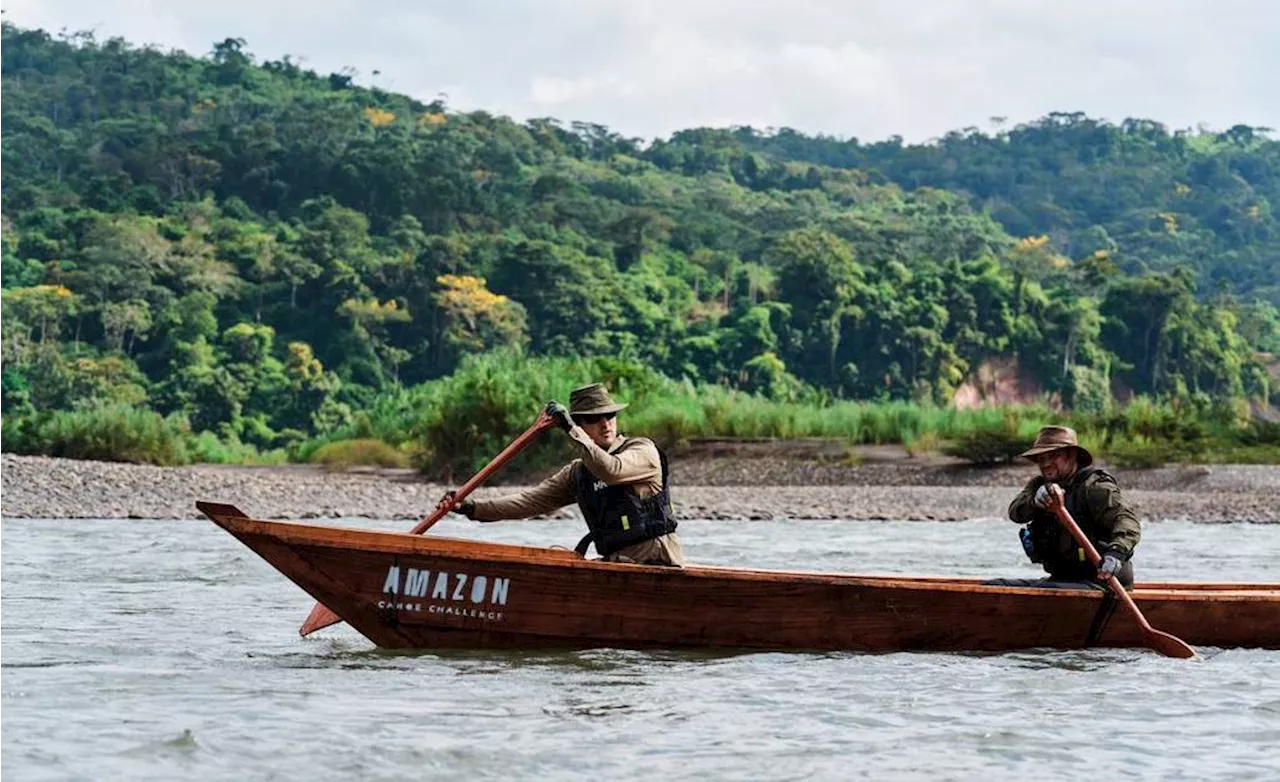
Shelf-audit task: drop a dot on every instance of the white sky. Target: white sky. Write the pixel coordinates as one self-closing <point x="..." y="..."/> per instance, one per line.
<point x="864" y="68"/>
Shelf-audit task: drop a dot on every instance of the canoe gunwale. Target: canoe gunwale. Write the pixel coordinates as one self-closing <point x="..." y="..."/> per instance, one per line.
<point x="401" y="543"/>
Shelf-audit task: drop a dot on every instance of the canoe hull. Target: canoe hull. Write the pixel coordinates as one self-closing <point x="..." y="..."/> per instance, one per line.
<point x="411" y="592"/>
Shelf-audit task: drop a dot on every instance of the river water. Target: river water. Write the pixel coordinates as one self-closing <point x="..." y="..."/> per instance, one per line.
<point x="166" y="650"/>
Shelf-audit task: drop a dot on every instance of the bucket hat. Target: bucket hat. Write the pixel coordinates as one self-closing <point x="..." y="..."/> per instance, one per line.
<point x="592" y="400"/>
<point x="1055" y="438"/>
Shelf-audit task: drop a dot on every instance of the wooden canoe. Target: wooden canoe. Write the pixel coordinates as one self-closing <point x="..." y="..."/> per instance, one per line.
<point x="406" y="591"/>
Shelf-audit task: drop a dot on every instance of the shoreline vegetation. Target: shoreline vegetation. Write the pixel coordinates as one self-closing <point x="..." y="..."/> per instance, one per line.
<point x="448" y="428"/>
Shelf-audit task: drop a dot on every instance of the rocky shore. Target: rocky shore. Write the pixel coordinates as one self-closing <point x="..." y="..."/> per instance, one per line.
<point x="707" y="485"/>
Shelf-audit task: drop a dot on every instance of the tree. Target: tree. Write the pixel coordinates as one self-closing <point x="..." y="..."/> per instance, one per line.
<point x="130" y="318"/>
<point x="17" y="272"/>
<point x="371" y="320"/>
<point x="198" y="386"/>
<point x="818" y="278"/>
<point x="39" y="311"/>
<point x="572" y="299"/>
<point x="125" y="258"/>
<point x="309" y="396"/>
<point x="768" y="376"/>
<point x="476" y="319"/>
<point x="1138" y="312"/>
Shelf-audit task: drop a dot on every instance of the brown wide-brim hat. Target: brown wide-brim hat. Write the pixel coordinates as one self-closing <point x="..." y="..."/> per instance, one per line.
<point x="592" y="400"/>
<point x="1055" y="438"/>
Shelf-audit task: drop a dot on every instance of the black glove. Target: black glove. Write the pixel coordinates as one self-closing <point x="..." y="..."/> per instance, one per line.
<point x="467" y="507"/>
<point x="560" y="414"/>
<point x="1110" y="564"/>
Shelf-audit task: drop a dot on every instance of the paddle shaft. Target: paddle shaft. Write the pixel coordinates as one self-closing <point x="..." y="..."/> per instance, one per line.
<point x="321" y="617"/>
<point x="1166" y="644"/>
<point x="517" y="445"/>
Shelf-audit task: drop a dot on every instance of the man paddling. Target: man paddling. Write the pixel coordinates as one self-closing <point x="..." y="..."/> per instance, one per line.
<point x="621" y="484"/>
<point x="1092" y="497"/>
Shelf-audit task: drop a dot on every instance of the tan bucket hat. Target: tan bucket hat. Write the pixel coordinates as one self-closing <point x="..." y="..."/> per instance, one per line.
<point x="592" y="400"/>
<point x="1054" y="438"/>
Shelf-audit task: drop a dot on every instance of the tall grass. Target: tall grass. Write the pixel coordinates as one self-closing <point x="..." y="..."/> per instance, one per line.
<point x="714" y="411"/>
<point x="455" y="424"/>
<point x="125" y="434"/>
<point x="120" y="434"/>
<point x="451" y="426"/>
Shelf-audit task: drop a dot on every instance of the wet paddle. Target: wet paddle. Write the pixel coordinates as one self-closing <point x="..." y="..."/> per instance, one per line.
<point x="1164" y="643"/>
<point x="321" y="617"/>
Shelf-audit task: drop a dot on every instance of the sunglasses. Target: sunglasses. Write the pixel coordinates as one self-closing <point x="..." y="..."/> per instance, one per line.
<point x="1048" y="456"/>
<point x="594" y="419"/>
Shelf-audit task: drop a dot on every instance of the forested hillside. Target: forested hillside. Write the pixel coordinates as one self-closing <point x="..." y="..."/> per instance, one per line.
<point x="264" y="249"/>
<point x="1152" y="198"/>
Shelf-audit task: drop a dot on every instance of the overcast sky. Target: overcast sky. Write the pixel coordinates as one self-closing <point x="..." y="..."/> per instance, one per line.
<point x="864" y="68"/>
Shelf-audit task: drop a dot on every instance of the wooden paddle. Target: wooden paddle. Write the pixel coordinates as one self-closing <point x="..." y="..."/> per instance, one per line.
<point x="321" y="617"/>
<point x="1164" y="643"/>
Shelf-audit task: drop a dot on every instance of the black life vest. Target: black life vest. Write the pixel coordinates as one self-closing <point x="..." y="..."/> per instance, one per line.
<point x="1053" y="546"/>
<point x="617" y="516"/>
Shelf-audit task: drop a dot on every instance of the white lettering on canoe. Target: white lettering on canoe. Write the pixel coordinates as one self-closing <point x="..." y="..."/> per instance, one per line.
<point x="471" y="612"/>
<point x="392" y="584"/>
<point x="416" y="583"/>
<point x="442" y="586"/>
<point x="442" y="610"/>
<point x="500" y="586"/>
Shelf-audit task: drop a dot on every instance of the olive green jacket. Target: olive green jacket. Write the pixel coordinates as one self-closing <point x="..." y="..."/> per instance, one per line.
<point x="1093" y="498"/>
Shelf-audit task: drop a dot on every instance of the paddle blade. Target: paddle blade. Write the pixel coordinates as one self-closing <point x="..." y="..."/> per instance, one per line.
<point x="319" y="618"/>
<point x="1169" y="645"/>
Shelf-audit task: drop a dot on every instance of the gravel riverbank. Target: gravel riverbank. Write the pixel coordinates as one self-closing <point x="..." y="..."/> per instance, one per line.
<point x="705" y="487"/>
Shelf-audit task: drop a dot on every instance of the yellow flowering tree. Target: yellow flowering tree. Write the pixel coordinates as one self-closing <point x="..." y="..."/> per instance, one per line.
<point x="475" y="318"/>
<point x="379" y="118"/>
<point x="38" y="311"/>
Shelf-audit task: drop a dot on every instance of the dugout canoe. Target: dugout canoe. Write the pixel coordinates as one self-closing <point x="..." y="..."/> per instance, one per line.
<point x="406" y="591"/>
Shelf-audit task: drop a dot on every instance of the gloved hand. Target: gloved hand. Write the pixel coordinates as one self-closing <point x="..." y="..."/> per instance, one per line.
<point x="1109" y="566"/>
<point x="467" y="507"/>
<point x="560" y="414"/>
<point x="1041" y="500"/>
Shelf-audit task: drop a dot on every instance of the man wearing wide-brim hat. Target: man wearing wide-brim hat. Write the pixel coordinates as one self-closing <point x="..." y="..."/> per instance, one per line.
<point x="1092" y="496"/>
<point x="621" y="484"/>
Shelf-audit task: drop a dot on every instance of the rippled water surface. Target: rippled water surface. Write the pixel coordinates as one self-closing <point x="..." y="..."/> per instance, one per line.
<point x="167" y="650"/>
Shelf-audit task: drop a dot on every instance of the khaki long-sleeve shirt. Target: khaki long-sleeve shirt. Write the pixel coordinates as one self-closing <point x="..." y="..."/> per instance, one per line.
<point x="631" y="460"/>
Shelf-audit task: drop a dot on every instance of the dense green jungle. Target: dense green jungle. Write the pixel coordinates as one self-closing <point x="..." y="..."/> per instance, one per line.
<point x="229" y="259"/>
